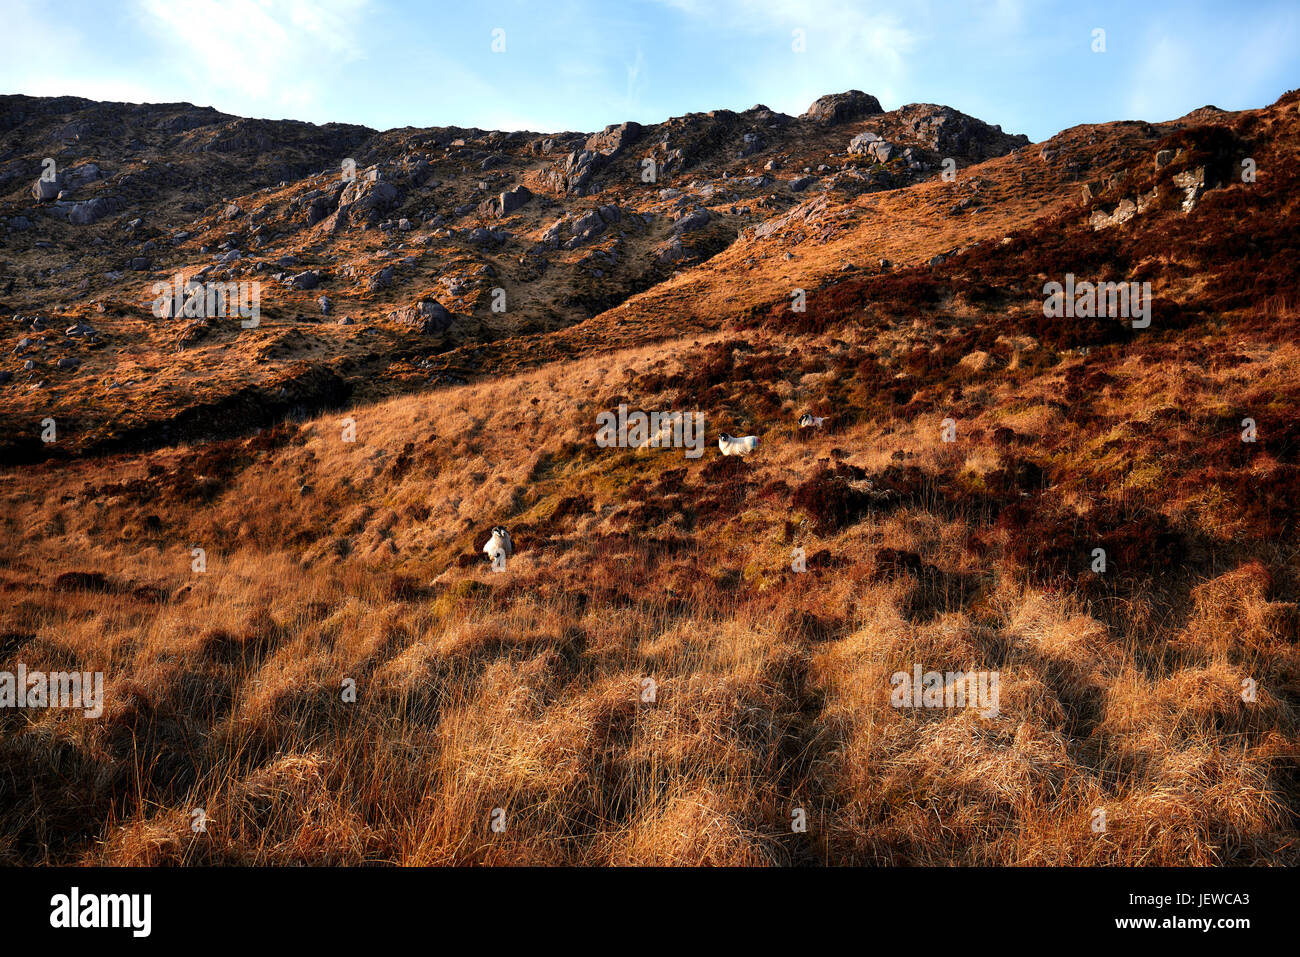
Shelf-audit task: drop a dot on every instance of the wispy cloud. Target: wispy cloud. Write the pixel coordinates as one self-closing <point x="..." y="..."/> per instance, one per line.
<point x="635" y="80"/>
<point x="274" y="52"/>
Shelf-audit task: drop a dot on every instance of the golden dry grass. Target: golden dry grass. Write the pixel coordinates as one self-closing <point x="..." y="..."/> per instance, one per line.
<point x="649" y="681"/>
<point x="523" y="690"/>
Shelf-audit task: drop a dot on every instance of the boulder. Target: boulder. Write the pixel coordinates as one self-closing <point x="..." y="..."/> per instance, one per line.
<point x="513" y="199"/>
<point x="80" y="176"/>
<point x="44" y="190"/>
<point x="426" y="316"/>
<point x="860" y="143"/>
<point x="697" y="218"/>
<point x="551" y="237"/>
<point x="871" y="145"/>
<point x="612" y="139"/>
<point x="365" y="199"/>
<point x="751" y="143"/>
<point x="836" y="108"/>
<point x="1106" y="216"/>
<point x="881" y="151"/>
<point x="573" y="174"/>
<point x="806" y="213"/>
<point x="587" y="226"/>
<point x="92" y="211"/>
<point x="483" y="237"/>
<point x="857" y="181"/>
<point x="669" y="252"/>
<point x="322" y="204"/>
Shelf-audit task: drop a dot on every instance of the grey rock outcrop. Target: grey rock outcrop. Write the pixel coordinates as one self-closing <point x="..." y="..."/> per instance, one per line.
<point x="365" y="200"/>
<point x="869" y="144"/>
<point x="514" y="198"/>
<point x="92" y="211"/>
<point x="573" y="176"/>
<point x="427" y="317"/>
<point x="669" y="252"/>
<point x="836" y="108"/>
<point x="862" y="142"/>
<point x="44" y="190"/>
<point x="697" y="218"/>
<point x="507" y="202"/>
<point x="950" y="132"/>
<point x="1192" y="183"/>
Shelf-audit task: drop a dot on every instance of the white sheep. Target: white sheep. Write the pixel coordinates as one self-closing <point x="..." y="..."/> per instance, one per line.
<point x="499" y="547"/>
<point x="810" y="421"/>
<point x="737" y="444"/>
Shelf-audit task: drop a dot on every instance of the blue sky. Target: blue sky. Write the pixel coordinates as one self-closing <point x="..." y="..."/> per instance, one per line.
<point x="582" y="64"/>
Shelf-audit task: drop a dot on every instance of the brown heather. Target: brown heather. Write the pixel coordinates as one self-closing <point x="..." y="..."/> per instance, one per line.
<point x="522" y="690"/>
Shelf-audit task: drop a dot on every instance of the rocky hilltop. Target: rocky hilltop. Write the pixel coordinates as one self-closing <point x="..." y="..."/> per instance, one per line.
<point x="375" y="252"/>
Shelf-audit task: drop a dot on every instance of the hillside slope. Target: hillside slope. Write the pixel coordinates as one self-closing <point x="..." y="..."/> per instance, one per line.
<point x="650" y="679"/>
<point x="449" y="245"/>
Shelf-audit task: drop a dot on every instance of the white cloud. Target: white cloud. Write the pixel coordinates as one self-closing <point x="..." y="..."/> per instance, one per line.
<point x="272" y="53"/>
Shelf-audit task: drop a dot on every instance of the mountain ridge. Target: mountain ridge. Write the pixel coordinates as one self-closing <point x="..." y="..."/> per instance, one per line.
<point x="194" y="170"/>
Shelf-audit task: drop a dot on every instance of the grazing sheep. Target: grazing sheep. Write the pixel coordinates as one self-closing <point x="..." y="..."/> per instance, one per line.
<point x="737" y="444"/>
<point x="810" y="421"/>
<point x="499" y="547"/>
